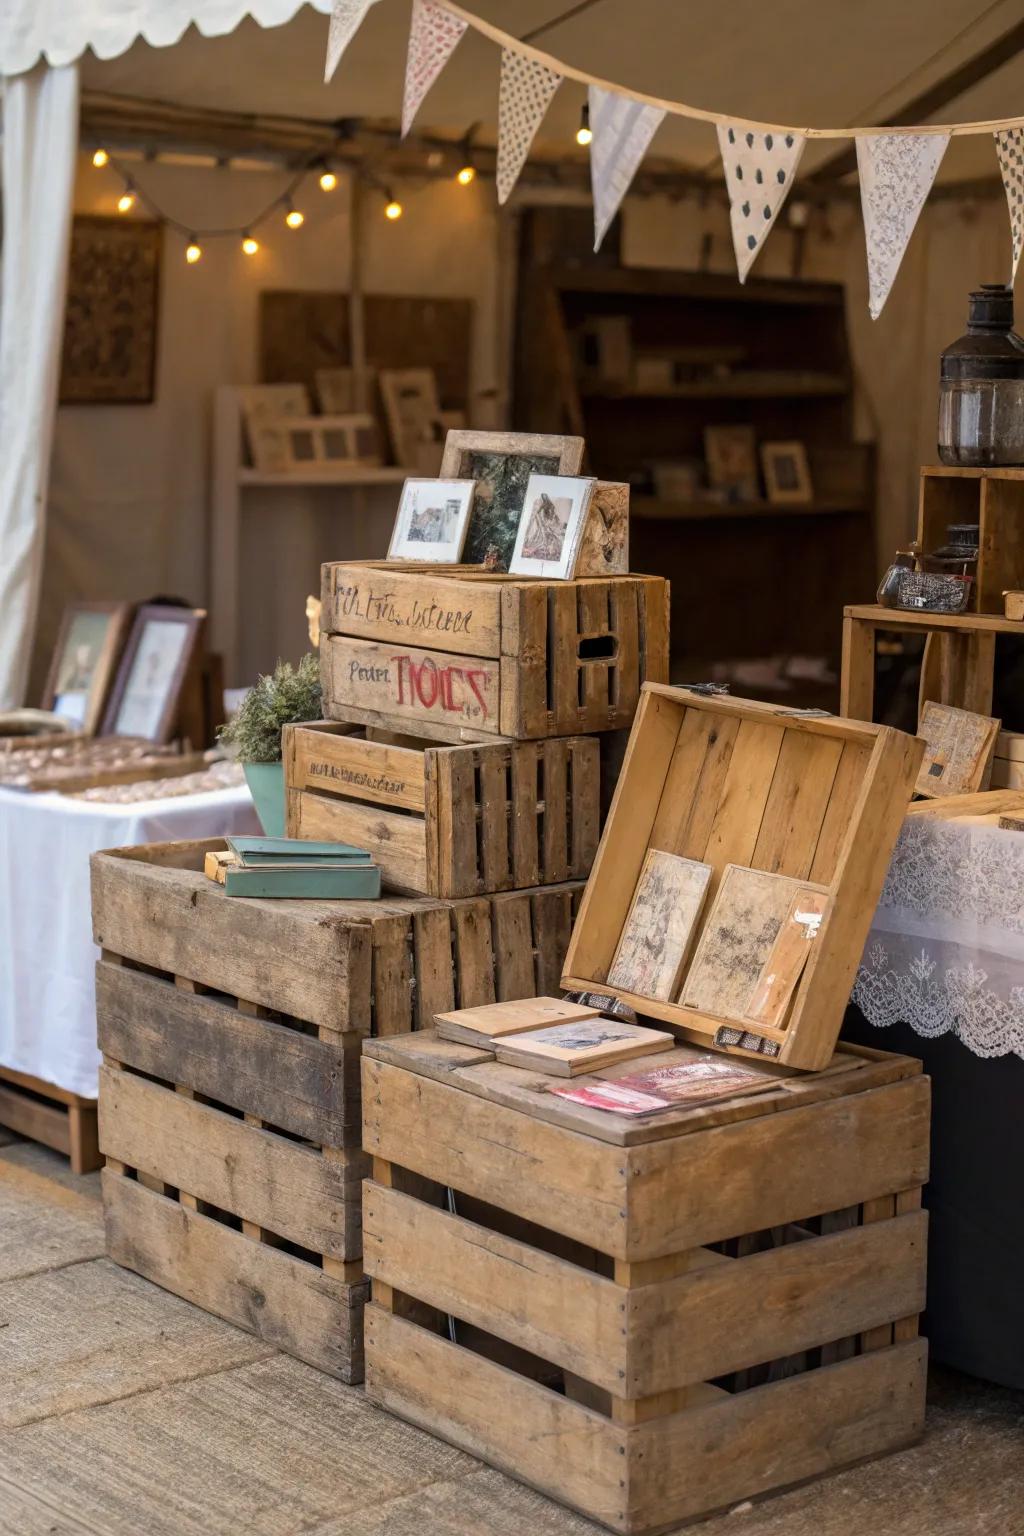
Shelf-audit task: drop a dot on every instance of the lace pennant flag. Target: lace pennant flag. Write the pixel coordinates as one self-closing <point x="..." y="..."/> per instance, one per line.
<point x="433" y="37"/>
<point x="622" y="130"/>
<point x="524" y="96"/>
<point x="1010" y="149"/>
<point x="896" y="175"/>
<point x="346" y="19"/>
<point x="759" y="171"/>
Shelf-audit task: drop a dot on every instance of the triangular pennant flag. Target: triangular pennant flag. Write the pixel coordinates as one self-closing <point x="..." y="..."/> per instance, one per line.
<point x="1010" y="149"/>
<point x="346" y="19"/>
<point x="896" y="174"/>
<point x="524" y="96"/>
<point x="433" y="36"/>
<point x="622" y="129"/>
<point x="759" y="171"/>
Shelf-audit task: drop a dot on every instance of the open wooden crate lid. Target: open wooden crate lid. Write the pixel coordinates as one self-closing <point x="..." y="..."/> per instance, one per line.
<point x="732" y="781"/>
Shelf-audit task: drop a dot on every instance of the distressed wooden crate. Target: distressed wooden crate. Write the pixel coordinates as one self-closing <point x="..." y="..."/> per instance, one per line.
<point x="448" y="820"/>
<point x="653" y="1320"/>
<point x="462" y="654"/>
<point x="733" y="781"/>
<point x="51" y="1115"/>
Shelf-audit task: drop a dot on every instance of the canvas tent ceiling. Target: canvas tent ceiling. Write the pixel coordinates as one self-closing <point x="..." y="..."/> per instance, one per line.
<point x="796" y="61"/>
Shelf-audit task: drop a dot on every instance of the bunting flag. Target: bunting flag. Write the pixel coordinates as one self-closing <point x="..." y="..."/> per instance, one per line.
<point x="524" y="96"/>
<point x="759" y="171"/>
<point x="433" y="37"/>
<point x="1010" y="149"/>
<point x="896" y="175"/>
<point x="622" y="130"/>
<point x="346" y="19"/>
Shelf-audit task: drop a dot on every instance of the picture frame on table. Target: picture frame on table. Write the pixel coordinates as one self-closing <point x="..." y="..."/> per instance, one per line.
<point x="89" y="645"/>
<point x="412" y="410"/>
<point x="432" y="521"/>
<point x="551" y="527"/>
<point x="501" y="464"/>
<point x="787" y="474"/>
<point x="296" y="445"/>
<point x="161" y="650"/>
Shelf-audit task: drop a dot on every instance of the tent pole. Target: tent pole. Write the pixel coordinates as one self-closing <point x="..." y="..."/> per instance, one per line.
<point x="356" y="312"/>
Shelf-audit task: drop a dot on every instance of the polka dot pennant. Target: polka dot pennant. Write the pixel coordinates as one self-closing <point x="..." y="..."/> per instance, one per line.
<point x="433" y="37"/>
<point x="759" y="171"/>
<point x="1010" y="149"/>
<point x="524" y="96"/>
<point x="346" y="19"/>
<point x="896" y="173"/>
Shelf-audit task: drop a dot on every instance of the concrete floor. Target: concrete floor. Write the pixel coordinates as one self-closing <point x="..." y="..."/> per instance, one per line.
<point x="127" y="1412"/>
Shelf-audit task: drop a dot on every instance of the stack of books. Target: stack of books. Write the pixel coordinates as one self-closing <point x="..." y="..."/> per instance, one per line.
<point x="291" y="867"/>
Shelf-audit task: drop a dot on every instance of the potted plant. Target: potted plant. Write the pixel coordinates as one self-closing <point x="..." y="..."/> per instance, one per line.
<point x="289" y="695"/>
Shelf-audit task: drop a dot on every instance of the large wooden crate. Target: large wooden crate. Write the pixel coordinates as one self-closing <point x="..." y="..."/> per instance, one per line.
<point x="733" y="781"/>
<point x="448" y="820"/>
<point x="647" y="1320"/>
<point x="461" y="654"/>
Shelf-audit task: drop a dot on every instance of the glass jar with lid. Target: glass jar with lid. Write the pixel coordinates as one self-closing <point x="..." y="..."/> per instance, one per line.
<point x="981" y="386"/>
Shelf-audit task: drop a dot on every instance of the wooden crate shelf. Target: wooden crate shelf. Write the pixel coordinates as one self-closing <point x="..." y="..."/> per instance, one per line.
<point x="448" y="820"/>
<point x="611" y="1313"/>
<point x="992" y="498"/>
<point x="43" y="1112"/>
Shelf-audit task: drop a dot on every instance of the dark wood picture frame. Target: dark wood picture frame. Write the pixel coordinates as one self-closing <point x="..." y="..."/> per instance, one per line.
<point x="112" y="314"/>
<point x="106" y="662"/>
<point x="193" y="619"/>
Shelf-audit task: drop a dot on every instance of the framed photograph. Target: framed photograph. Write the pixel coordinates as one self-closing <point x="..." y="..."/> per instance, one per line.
<point x="152" y="675"/>
<point x="433" y="516"/>
<point x="555" y="512"/>
<point x="112" y="313"/>
<point x="288" y="445"/>
<point x="787" y="477"/>
<point x="501" y="464"/>
<point x="731" y="455"/>
<point x="412" y="410"/>
<point x="265" y="406"/>
<point x="85" y="658"/>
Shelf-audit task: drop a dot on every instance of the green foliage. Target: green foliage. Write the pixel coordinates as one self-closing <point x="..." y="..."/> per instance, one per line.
<point x="290" y="694"/>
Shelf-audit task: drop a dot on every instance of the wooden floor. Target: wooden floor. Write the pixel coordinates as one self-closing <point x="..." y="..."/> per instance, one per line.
<point x="126" y="1411"/>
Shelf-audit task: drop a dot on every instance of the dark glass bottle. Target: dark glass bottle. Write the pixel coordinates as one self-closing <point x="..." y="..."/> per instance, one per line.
<point x="981" y="385"/>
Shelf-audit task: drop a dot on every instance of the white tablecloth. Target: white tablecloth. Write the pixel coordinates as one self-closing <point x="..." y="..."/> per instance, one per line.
<point x="946" y="949"/>
<point x="47" y="957"/>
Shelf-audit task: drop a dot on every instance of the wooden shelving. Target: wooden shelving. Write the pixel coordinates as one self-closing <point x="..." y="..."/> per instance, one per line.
<point x="657" y="509"/>
<point x="781" y="384"/>
<point x="361" y="474"/>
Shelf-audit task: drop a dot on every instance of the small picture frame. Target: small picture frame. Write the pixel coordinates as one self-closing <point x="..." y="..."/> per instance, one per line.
<point x="787" y="475"/>
<point x="89" y="645"/>
<point x="151" y="678"/>
<point x="731" y="456"/>
<point x="432" y="521"/>
<point x="550" y="533"/>
<point x="313" y="445"/>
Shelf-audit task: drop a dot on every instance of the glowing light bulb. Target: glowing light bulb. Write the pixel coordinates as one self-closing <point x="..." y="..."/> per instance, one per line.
<point x="328" y="181"/>
<point x="250" y="246"/>
<point x="294" y="219"/>
<point x="126" y="202"/>
<point x="583" y="132"/>
<point x="393" y="210"/>
<point x="100" y="158"/>
<point x="193" y="251"/>
<point x="466" y="176"/>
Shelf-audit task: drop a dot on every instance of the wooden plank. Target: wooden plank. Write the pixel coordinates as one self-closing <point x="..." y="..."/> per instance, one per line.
<point x="653" y="594"/>
<point x="990" y="802"/>
<point x="402" y="682"/>
<point x="594" y="690"/>
<point x="435" y="972"/>
<point x="396" y="606"/>
<point x="495" y="810"/>
<point x="552" y="931"/>
<point x="307" y="1086"/>
<point x="539" y="1436"/>
<point x="966" y="623"/>
<point x="525" y="706"/>
<point x="563" y="659"/>
<point x="797" y="805"/>
<point x="46" y="1123"/>
<point x="852" y="765"/>
<point x="857" y="686"/>
<point x="328" y="756"/>
<point x="585" y="804"/>
<point x="525" y="805"/>
<point x="745" y="790"/>
<point x="638" y="644"/>
<point x="720" y="736"/>
<point x="512" y="938"/>
<point x="285" y="1301"/>
<point x="554" y="755"/>
<point x="397" y="842"/>
<point x="474" y="959"/>
<point x="392" y="976"/>
<point x="457" y="810"/>
<point x="271" y="1181"/>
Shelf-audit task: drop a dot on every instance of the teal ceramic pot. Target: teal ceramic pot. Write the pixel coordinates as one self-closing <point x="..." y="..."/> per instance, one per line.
<point x="266" y="785"/>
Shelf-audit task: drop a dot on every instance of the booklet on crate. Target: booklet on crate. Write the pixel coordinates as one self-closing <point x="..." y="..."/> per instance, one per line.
<point x="482" y="1025"/>
<point x="568" y="1049"/>
<point x="288" y="852"/>
<point x="669" y="1087"/>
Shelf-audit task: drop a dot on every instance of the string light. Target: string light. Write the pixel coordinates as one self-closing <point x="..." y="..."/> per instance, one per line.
<point x="126" y="202"/>
<point x="100" y="158"/>
<point x="193" y="251"/>
<point x="393" y="209"/>
<point x="249" y="245"/>
<point x="584" y="134"/>
<point x="328" y="180"/>
<point x="294" y="218"/>
<point x="466" y="175"/>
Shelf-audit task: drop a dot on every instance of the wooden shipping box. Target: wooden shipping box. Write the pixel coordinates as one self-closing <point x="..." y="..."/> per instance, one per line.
<point x="448" y="820"/>
<point x="229" y="1108"/>
<point x="731" y="781"/>
<point x="655" y="1318"/>
<point x="992" y="498"/>
<point x="460" y="654"/>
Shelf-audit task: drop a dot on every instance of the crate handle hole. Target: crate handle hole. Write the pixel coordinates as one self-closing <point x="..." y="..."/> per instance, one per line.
<point x="598" y="648"/>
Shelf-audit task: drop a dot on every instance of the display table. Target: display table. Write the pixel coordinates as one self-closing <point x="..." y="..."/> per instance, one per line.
<point x="943" y="978"/>
<point x="47" y="957"/>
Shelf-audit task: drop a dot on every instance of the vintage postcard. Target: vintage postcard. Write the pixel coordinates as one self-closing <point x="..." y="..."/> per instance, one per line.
<point x="479" y="1026"/>
<point x="660" y="927"/>
<point x="958" y="757"/>
<point x="433" y="516"/>
<point x="555" y="512"/>
<point x="567" y="1049"/>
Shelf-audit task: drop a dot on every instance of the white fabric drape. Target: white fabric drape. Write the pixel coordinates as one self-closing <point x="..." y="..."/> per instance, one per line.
<point x="40" y="142"/>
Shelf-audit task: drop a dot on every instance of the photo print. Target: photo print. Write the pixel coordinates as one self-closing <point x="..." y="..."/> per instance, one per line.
<point x="551" y="526"/>
<point x="433" y="516"/>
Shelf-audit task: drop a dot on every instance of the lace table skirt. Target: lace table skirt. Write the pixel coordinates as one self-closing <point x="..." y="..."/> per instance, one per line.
<point x="946" y="949"/>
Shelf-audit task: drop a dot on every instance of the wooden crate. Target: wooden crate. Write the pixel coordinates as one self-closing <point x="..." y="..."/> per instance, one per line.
<point x="958" y="663"/>
<point x="461" y="654"/>
<point x="731" y="781"/>
<point x="992" y="498"/>
<point x="448" y="820"/>
<point x="43" y="1112"/>
<point x="653" y="1320"/>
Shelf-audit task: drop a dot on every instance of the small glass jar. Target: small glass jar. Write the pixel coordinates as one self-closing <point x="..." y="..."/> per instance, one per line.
<point x="981" y="385"/>
<point x="889" y="586"/>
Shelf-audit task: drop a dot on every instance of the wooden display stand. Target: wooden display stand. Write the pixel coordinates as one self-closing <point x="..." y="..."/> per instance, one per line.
<point x="992" y="498"/>
<point x="649" y="1320"/>
<point x="448" y="820"/>
<point x="957" y="667"/>
<point x="457" y="654"/>
<point x="229" y="1097"/>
